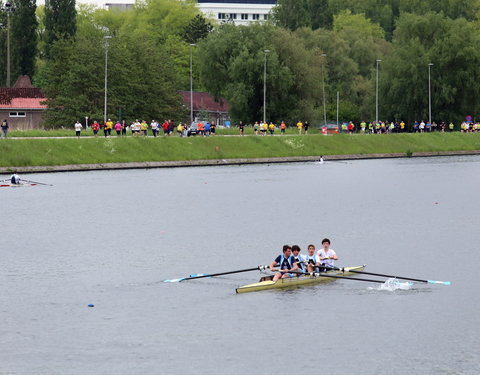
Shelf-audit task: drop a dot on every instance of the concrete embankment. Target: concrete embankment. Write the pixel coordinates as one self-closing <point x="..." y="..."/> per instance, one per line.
<point x="217" y="162"/>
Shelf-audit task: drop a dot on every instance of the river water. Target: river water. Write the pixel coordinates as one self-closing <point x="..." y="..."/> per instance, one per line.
<point x="109" y="238"/>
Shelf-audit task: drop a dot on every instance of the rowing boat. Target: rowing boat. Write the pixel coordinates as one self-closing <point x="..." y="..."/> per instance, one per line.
<point x="9" y="184"/>
<point x="266" y="282"/>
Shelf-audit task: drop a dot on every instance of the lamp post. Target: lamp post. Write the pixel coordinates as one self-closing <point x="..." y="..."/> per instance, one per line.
<point x="429" y="95"/>
<point x="106" y="38"/>
<point x="376" y="96"/>
<point x="323" y="89"/>
<point x="8" y="8"/>
<point x="265" y="86"/>
<point x="191" y="82"/>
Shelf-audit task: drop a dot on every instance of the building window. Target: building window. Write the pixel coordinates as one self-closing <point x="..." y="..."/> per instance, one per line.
<point x="233" y="16"/>
<point x="18" y="114"/>
<point x="265" y="16"/>
<point x="221" y="16"/>
<point x="255" y="17"/>
<point x="244" y="16"/>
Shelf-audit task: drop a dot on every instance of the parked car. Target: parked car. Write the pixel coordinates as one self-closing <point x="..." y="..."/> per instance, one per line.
<point x="192" y="129"/>
<point x="329" y="129"/>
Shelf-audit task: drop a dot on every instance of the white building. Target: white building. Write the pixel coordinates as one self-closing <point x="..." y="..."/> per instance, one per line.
<point x="240" y="12"/>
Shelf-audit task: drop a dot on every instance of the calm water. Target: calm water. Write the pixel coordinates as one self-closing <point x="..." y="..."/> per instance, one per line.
<point x="110" y="238"/>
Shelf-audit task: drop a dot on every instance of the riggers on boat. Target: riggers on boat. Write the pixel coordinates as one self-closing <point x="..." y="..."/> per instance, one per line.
<point x="316" y="278"/>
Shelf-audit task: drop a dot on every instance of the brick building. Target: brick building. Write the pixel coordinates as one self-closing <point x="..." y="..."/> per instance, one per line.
<point x="22" y="105"/>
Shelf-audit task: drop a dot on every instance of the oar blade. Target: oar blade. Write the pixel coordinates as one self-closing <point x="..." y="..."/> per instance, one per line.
<point x="439" y="282"/>
<point x="199" y="274"/>
<point x="174" y="280"/>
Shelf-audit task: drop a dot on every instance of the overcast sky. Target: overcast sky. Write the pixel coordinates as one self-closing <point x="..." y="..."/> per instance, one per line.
<point x="96" y="2"/>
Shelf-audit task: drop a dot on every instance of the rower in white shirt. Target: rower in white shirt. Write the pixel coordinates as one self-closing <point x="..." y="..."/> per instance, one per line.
<point x="326" y="257"/>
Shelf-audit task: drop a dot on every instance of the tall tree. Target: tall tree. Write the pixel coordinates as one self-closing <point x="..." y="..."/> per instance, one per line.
<point x="60" y="21"/>
<point x="24" y="37"/>
<point x="197" y="29"/>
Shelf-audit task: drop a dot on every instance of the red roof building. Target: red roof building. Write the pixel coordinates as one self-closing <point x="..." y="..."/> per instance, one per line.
<point x="203" y="101"/>
<point x="22" y="105"/>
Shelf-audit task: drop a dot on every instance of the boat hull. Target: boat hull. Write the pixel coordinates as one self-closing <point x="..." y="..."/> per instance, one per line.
<point x="16" y="185"/>
<point x="297" y="281"/>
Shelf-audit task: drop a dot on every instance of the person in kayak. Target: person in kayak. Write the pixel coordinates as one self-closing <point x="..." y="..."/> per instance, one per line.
<point x="285" y="262"/>
<point x="326" y="257"/>
<point x="15" y="179"/>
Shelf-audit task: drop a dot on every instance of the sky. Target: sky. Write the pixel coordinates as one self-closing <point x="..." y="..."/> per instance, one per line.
<point x="99" y="3"/>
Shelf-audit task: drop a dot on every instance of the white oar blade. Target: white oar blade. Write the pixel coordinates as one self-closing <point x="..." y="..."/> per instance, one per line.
<point x="173" y="280"/>
<point x="199" y="274"/>
<point x="439" y="282"/>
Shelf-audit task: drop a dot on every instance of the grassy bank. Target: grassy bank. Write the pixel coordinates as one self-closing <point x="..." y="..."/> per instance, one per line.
<point x="43" y="152"/>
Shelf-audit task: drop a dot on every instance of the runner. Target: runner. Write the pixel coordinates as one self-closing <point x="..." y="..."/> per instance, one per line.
<point x="271" y="128"/>
<point x="241" y="127"/>
<point x="299" y="127"/>
<point x="78" y="128"/>
<point x="306" y="126"/>
<point x="118" y="128"/>
<point x="285" y="263"/>
<point x="4" y="128"/>
<point x="95" y="127"/>
<point x="255" y="128"/>
<point x="283" y="126"/>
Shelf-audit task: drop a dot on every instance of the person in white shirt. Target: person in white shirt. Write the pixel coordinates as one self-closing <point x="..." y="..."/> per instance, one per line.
<point x="326" y="257"/>
<point x="78" y="128"/>
<point x="15" y="179"/>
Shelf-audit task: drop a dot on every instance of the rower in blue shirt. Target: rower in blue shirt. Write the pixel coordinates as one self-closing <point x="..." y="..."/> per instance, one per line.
<point x="299" y="259"/>
<point x="285" y="262"/>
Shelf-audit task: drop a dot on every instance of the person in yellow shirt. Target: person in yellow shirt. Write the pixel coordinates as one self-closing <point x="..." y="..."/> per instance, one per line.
<point x="180" y="129"/>
<point x="299" y="127"/>
<point x="271" y="128"/>
<point x="144" y="127"/>
<point x="402" y="126"/>
<point x="109" y="127"/>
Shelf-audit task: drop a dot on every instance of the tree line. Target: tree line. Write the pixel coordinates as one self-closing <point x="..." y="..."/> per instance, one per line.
<point x="315" y="46"/>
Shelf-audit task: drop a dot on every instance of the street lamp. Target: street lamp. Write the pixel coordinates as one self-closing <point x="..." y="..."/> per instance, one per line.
<point x="429" y="96"/>
<point x="376" y="96"/>
<point x="191" y="82"/>
<point x="8" y="8"/>
<point x="265" y="86"/>
<point x="323" y="85"/>
<point x="106" y="38"/>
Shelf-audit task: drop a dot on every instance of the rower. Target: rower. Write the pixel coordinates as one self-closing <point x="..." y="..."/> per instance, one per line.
<point x="310" y="258"/>
<point x="298" y="258"/>
<point x="326" y="257"/>
<point x="15" y="179"/>
<point x="285" y="262"/>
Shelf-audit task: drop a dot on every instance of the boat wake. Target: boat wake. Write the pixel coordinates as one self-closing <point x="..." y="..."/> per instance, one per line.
<point x="393" y="284"/>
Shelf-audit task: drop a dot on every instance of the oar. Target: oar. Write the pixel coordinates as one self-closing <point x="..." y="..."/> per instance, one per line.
<point x="320" y="274"/>
<point x="199" y="276"/>
<point x="403" y="278"/>
<point x="38" y="183"/>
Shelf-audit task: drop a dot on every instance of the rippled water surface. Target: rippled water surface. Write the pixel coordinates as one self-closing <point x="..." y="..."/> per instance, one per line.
<point x="110" y="238"/>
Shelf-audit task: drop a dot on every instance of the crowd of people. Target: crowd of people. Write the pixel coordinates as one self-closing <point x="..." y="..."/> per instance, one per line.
<point x="168" y="127"/>
<point x="291" y="263"/>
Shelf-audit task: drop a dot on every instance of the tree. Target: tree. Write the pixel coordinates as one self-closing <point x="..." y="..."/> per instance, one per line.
<point x="24" y="37"/>
<point x="60" y="21"/>
<point x="197" y="29"/>
<point x="450" y="46"/>
<point x="3" y="44"/>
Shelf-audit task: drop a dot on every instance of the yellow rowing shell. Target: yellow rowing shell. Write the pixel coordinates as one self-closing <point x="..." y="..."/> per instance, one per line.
<point x="298" y="281"/>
